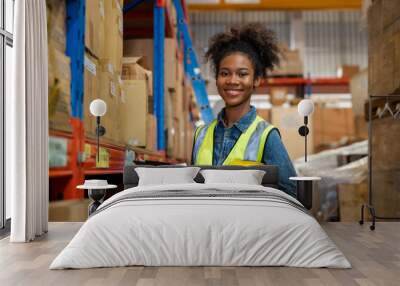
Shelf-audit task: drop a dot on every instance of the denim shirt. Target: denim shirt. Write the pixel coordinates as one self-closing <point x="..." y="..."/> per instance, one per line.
<point x="274" y="151"/>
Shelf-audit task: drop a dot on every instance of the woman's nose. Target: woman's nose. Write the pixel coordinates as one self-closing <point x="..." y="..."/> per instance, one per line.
<point x="233" y="79"/>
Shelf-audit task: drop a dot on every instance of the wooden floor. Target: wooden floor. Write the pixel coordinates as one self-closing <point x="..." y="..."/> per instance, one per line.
<point x="375" y="257"/>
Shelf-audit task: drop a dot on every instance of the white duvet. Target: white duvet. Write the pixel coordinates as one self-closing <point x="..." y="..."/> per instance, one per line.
<point x="188" y="231"/>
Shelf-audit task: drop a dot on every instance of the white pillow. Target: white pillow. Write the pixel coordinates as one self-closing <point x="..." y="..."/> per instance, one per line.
<point x="166" y="176"/>
<point x="248" y="177"/>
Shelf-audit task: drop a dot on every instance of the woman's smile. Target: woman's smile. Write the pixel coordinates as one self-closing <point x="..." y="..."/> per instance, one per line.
<point x="233" y="92"/>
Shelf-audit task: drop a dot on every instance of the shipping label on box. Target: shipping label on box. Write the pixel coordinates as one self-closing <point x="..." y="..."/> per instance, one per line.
<point x="90" y="65"/>
<point x="101" y="8"/>
<point x="113" y="89"/>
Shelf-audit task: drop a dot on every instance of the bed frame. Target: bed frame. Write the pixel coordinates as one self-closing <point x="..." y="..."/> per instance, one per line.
<point x="270" y="178"/>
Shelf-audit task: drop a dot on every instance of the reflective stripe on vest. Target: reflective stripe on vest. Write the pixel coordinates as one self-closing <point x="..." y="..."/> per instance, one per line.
<point x="249" y="146"/>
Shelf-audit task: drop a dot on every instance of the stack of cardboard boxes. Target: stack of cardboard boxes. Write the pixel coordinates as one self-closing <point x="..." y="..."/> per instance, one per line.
<point x="331" y="126"/>
<point x="103" y="66"/>
<point x="140" y="127"/>
<point x="291" y="63"/>
<point x="138" y="123"/>
<point x="59" y="73"/>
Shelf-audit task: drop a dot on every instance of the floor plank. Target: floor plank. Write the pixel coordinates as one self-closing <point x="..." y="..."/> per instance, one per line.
<point x="375" y="257"/>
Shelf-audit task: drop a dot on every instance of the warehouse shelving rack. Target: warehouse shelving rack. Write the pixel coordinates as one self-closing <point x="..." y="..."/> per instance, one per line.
<point x="81" y="150"/>
<point x="191" y="65"/>
<point x="307" y="86"/>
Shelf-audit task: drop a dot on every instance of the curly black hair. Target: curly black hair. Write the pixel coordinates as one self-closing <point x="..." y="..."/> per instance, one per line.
<point x="253" y="39"/>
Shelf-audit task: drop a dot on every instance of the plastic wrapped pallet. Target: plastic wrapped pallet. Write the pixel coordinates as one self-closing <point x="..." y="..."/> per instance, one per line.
<point x="325" y="165"/>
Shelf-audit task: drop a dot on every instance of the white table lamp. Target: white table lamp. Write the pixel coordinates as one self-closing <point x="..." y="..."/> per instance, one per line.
<point x="305" y="109"/>
<point x="98" y="108"/>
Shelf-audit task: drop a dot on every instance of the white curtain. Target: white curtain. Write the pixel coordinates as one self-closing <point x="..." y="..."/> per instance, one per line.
<point x="27" y="124"/>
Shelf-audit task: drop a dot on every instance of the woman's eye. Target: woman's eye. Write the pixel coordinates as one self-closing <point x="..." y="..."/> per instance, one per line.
<point x="242" y="74"/>
<point x="223" y="73"/>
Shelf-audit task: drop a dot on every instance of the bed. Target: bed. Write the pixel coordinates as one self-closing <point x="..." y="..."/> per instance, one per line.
<point x="201" y="224"/>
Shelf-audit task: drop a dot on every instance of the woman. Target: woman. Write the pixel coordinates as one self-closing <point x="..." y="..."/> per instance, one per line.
<point x="240" y="58"/>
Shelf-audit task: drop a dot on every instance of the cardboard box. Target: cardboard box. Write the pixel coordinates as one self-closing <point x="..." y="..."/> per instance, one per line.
<point x="290" y="62"/>
<point x="94" y="27"/>
<point x="390" y="10"/>
<point x="60" y="106"/>
<point x="176" y="134"/>
<point x="151" y="132"/>
<point x="288" y="121"/>
<point x="347" y="71"/>
<point x="265" y="114"/>
<point x="91" y="92"/>
<point x="113" y="28"/>
<point x="69" y="210"/>
<point x="144" y="47"/>
<point x="359" y="92"/>
<point x="110" y="92"/>
<point x="351" y="197"/>
<point x="360" y="128"/>
<point x="332" y="125"/>
<point x="134" y="113"/>
<point x="59" y="65"/>
<point x="135" y="68"/>
<point x="169" y="121"/>
<point x="384" y="46"/>
<point x="278" y="95"/>
<point x="56" y="23"/>
<point x="386" y="166"/>
<point x="59" y="80"/>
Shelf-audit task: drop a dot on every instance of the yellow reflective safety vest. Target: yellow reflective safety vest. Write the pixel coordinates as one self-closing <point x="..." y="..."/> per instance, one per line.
<point x="248" y="148"/>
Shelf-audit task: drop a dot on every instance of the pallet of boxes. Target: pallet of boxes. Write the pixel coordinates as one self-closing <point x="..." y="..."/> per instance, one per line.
<point x="103" y="67"/>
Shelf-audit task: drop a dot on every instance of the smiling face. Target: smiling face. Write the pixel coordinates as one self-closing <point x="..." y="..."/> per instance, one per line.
<point x="235" y="79"/>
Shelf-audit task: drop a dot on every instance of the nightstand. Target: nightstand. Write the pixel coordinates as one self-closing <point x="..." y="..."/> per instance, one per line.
<point x="305" y="189"/>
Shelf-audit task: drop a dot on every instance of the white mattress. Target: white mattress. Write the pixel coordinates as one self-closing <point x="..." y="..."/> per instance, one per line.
<point x="202" y="231"/>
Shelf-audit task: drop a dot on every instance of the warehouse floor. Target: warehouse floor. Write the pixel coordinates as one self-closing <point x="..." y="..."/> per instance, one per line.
<point x="375" y="257"/>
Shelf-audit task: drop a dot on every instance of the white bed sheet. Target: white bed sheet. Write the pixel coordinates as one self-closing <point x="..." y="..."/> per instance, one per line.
<point x="200" y="232"/>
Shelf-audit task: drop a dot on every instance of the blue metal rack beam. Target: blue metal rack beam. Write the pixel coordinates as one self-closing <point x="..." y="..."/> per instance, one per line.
<point x="192" y="67"/>
<point x="76" y="51"/>
<point x="158" y="72"/>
